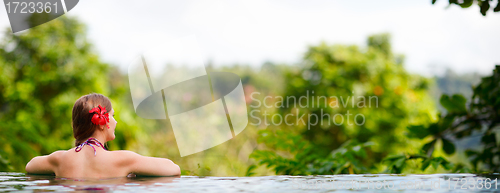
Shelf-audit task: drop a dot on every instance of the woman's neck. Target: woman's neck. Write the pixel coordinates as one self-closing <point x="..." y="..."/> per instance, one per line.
<point x="101" y="138"/>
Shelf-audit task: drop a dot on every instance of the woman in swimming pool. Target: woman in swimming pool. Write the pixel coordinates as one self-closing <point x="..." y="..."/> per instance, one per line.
<point x="93" y="124"/>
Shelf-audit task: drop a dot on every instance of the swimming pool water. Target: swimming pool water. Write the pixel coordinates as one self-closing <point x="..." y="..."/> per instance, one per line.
<point x="323" y="183"/>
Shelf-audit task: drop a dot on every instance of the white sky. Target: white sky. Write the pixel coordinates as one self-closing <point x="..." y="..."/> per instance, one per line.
<point x="250" y="32"/>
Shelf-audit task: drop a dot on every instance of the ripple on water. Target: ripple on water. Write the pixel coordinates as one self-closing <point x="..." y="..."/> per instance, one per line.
<point x="289" y="184"/>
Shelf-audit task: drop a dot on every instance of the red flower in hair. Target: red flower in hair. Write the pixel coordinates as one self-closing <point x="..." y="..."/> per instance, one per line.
<point x="100" y="117"/>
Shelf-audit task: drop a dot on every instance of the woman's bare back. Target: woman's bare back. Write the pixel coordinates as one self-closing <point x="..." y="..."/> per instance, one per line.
<point x="105" y="164"/>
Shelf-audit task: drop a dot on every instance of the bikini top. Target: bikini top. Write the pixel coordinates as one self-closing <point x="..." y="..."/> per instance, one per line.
<point x="91" y="142"/>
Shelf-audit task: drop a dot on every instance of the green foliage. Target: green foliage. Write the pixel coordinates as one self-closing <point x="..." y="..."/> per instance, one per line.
<point x="347" y="71"/>
<point x="397" y="163"/>
<point x="479" y="119"/>
<point x="451" y="83"/>
<point x="484" y="5"/>
<point x="347" y="159"/>
<point x="484" y="115"/>
<point x="292" y="155"/>
<point x="381" y="43"/>
<point x="200" y="171"/>
<point x="454" y="104"/>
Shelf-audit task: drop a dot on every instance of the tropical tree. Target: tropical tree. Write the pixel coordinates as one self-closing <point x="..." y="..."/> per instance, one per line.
<point x="370" y="98"/>
<point x="484" y="5"/>
<point x="477" y="118"/>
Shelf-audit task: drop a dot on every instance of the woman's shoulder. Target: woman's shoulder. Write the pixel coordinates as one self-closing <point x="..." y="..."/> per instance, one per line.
<point x="50" y="160"/>
<point x="57" y="154"/>
<point x="125" y="155"/>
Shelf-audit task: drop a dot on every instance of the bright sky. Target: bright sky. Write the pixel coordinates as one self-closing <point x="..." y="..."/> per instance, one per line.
<point x="254" y="31"/>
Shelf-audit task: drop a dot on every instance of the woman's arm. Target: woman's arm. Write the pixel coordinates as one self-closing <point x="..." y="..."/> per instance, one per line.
<point x="43" y="164"/>
<point x="148" y="166"/>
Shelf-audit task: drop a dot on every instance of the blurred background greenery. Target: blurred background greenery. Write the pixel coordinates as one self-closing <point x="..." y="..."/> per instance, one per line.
<point x="420" y="125"/>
